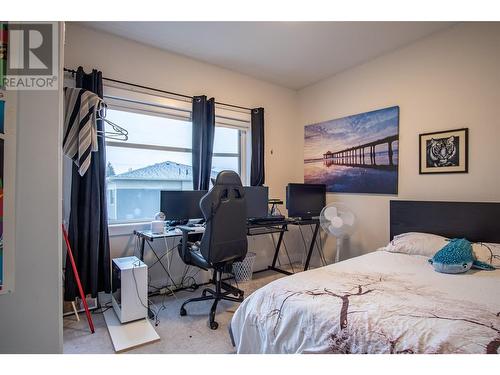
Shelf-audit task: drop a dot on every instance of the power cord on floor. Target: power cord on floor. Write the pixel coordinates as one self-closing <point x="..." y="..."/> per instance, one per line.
<point x="102" y="309"/>
<point x="188" y="281"/>
<point x="150" y="307"/>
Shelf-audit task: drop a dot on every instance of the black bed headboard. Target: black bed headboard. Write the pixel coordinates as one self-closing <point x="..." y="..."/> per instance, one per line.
<point x="478" y="222"/>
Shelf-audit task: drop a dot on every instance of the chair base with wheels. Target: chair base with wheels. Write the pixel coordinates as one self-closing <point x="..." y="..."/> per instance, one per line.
<point x="222" y="292"/>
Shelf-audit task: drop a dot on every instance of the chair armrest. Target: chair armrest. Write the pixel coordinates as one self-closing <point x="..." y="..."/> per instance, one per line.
<point x="184" y="245"/>
<point x="186" y="231"/>
<point x="185" y="228"/>
<point x="185" y="236"/>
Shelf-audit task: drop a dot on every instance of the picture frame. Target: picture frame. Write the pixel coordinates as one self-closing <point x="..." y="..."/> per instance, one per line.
<point x="356" y="154"/>
<point x="444" y="151"/>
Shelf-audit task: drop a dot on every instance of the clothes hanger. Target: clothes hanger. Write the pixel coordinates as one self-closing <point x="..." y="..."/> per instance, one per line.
<point x="118" y="133"/>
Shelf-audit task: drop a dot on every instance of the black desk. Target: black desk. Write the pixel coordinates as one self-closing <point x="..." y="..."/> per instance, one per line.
<point x="253" y="229"/>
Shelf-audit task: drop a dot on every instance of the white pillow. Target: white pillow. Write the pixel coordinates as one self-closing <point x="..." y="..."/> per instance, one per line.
<point x="415" y="243"/>
<point x="487" y="253"/>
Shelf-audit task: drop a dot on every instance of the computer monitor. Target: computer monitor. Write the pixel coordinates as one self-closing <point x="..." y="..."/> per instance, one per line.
<point x="305" y="200"/>
<point x="257" y="198"/>
<point x="181" y="205"/>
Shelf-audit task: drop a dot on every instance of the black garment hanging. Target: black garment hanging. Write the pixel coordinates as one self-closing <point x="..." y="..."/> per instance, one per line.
<point x="203" y="141"/>
<point x="257" y="166"/>
<point x="88" y="221"/>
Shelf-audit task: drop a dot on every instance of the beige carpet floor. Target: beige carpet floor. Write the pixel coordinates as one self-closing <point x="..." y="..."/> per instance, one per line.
<point x="187" y="334"/>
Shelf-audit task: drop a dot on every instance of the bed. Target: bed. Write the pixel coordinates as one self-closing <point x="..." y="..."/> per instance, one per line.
<point x="383" y="302"/>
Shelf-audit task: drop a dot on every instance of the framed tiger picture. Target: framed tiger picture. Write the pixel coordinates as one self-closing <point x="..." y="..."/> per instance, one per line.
<point x="444" y="151"/>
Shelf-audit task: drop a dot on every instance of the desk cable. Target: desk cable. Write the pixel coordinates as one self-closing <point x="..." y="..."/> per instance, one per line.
<point x="161" y="263"/>
<point x="156" y="313"/>
<point x="150" y="285"/>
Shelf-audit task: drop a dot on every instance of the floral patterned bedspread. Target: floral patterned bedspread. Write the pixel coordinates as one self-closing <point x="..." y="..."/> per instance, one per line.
<point x="377" y="303"/>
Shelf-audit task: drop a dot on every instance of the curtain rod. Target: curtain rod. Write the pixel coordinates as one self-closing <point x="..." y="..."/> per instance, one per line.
<point x="73" y="72"/>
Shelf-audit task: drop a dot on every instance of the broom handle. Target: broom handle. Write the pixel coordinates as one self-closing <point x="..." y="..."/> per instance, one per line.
<point x="77" y="277"/>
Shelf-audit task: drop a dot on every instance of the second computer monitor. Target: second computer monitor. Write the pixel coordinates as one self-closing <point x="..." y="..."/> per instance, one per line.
<point x="257" y="198"/>
<point x="181" y="205"/>
<point x="305" y="200"/>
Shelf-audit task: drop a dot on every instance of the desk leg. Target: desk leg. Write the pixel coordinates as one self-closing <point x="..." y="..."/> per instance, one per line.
<point x="311" y="247"/>
<point x="151" y="314"/>
<point x="143" y="242"/>
<point x="277" y="250"/>
<point x="276" y="253"/>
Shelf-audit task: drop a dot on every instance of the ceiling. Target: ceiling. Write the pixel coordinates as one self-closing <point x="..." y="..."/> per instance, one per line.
<point x="290" y="54"/>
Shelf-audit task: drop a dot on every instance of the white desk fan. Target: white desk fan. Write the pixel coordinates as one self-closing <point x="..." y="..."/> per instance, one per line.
<point x="337" y="220"/>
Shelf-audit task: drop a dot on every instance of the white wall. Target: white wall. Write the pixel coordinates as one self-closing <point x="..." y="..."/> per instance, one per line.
<point x="126" y="60"/>
<point x="31" y="316"/>
<point x="446" y="81"/>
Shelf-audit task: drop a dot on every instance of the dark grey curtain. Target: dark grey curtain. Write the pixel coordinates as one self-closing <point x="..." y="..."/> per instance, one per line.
<point x="203" y="140"/>
<point x="257" y="165"/>
<point x="88" y="221"/>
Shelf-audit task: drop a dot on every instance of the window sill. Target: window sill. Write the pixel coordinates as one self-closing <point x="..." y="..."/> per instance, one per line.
<point x="126" y="229"/>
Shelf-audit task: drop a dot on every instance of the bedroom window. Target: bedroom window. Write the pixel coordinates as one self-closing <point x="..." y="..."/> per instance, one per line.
<point x="157" y="155"/>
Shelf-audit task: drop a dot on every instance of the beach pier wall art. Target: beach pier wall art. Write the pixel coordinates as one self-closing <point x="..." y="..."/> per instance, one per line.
<point x="354" y="154"/>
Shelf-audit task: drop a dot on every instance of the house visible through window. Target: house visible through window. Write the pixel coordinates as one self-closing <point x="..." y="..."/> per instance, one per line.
<point x="157" y="156"/>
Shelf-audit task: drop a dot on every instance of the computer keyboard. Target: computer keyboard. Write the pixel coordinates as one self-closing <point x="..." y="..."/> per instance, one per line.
<point x="265" y="220"/>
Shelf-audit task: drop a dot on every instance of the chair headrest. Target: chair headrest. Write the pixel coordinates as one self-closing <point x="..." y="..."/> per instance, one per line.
<point x="228" y="178"/>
